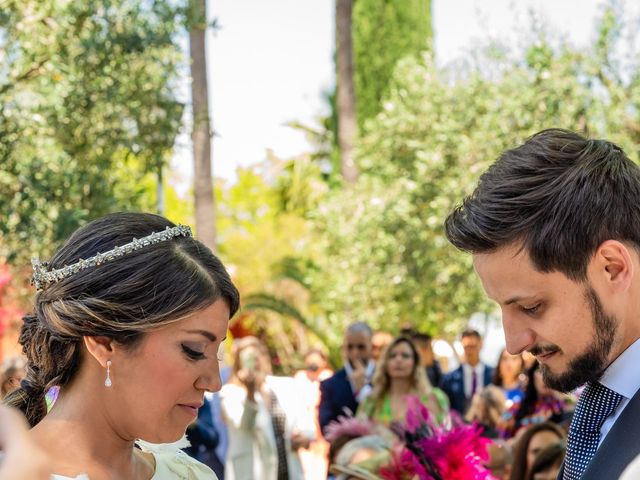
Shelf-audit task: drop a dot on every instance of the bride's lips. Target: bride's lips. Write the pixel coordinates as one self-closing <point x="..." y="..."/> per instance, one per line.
<point x="191" y="408"/>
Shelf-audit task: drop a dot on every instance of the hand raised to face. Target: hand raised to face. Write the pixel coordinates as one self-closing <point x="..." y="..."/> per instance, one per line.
<point x="359" y="373"/>
<point x="252" y="380"/>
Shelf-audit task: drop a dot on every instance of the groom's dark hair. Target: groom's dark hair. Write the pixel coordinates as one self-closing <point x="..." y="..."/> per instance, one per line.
<point x="558" y="196"/>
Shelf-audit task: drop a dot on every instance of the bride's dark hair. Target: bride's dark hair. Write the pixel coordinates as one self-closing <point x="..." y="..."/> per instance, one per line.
<point x="122" y="299"/>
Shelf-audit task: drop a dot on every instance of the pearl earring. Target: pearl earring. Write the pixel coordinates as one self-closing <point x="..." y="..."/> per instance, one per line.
<point x="107" y="382"/>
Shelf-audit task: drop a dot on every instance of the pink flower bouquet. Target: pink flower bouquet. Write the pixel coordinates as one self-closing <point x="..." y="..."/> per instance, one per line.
<point x="433" y="452"/>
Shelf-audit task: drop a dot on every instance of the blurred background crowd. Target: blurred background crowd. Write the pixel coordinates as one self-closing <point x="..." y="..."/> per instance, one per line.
<point x="317" y="422"/>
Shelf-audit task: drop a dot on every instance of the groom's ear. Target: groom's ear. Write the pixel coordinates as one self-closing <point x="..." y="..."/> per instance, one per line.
<point x="611" y="269"/>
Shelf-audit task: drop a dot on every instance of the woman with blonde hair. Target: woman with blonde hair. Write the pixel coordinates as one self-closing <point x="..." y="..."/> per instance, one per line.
<point x="266" y="419"/>
<point x="398" y="375"/>
<point x="127" y="320"/>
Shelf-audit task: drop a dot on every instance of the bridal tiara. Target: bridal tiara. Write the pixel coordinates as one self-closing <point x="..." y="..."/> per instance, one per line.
<point x="42" y="276"/>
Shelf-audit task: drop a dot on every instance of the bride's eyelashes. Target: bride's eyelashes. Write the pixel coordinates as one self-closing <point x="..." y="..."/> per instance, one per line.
<point x="193" y="354"/>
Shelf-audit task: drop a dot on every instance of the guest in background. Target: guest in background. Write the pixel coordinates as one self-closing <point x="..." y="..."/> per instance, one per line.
<point x="487" y="408"/>
<point x="344" y="390"/>
<point x="218" y="421"/>
<point x="12" y="372"/>
<point x="507" y="376"/>
<point x="531" y="442"/>
<point x="266" y="420"/>
<point x="314" y="458"/>
<point x="500" y="460"/>
<point x="423" y="342"/>
<point x="205" y="438"/>
<point x="361" y="458"/>
<point x="399" y="375"/>
<point x="461" y="384"/>
<point x="346" y="428"/>
<point x="539" y="404"/>
<point x="316" y="367"/>
<point x="548" y="462"/>
<point x="379" y="341"/>
<point x="214" y="434"/>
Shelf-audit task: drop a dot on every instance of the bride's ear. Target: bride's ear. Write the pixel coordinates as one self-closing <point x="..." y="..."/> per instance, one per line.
<point x="100" y="348"/>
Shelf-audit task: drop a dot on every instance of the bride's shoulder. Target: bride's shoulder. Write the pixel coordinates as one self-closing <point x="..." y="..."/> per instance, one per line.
<point x="172" y="462"/>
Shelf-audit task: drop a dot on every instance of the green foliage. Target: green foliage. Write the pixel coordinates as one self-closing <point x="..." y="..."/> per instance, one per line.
<point x="385" y="31"/>
<point x="264" y="236"/>
<point x="87" y="112"/>
<point x="299" y="186"/>
<point x="382" y="254"/>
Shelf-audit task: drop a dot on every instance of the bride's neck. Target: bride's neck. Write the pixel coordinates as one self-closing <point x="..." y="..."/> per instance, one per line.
<point x="81" y="439"/>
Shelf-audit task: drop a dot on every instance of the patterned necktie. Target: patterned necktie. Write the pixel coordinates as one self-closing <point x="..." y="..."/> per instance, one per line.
<point x="278" y="422"/>
<point x="596" y="403"/>
<point x="474" y="382"/>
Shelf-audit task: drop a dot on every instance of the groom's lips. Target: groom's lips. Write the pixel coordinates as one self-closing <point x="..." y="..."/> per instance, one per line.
<point x="544" y="357"/>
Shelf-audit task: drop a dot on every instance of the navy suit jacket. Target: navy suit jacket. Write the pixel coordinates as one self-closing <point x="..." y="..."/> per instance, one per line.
<point x="619" y="447"/>
<point x="335" y="396"/>
<point x="453" y="385"/>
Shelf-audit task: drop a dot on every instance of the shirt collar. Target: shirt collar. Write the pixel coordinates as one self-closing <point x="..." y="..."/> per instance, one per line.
<point x="623" y="375"/>
<point x="479" y="368"/>
<point x="371" y="366"/>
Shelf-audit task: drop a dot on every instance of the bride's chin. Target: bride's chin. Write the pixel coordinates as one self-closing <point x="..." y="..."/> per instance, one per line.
<point x="165" y="437"/>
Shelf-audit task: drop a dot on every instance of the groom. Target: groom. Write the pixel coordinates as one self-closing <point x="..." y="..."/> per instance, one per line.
<point x="554" y="230"/>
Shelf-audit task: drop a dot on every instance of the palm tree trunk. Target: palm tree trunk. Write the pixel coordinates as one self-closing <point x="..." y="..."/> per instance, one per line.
<point x="201" y="135"/>
<point x="346" y="97"/>
<point x="159" y="190"/>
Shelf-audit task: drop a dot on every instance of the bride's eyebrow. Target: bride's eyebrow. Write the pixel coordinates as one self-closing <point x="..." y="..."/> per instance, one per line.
<point x="205" y="333"/>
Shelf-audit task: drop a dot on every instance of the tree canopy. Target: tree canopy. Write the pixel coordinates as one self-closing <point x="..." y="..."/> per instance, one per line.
<point x="384" y="257"/>
<point x="87" y="110"/>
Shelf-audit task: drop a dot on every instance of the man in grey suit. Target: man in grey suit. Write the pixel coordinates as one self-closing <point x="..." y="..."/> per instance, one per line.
<point x="554" y="230"/>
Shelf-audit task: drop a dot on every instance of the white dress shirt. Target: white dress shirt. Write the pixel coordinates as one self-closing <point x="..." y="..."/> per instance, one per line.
<point x="468" y="379"/>
<point x="623" y="377"/>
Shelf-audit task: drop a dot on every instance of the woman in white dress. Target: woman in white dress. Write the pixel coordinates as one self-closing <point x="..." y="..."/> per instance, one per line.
<point x="266" y="417"/>
<point x="131" y="337"/>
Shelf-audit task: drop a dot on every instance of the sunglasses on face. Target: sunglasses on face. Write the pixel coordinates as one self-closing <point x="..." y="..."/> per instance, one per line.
<point x="358" y="346"/>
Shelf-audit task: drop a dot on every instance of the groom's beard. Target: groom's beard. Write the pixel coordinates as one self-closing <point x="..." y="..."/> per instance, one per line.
<point x="591" y="364"/>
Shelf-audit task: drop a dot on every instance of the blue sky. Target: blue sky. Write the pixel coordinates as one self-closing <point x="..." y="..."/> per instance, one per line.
<point x="272" y="61"/>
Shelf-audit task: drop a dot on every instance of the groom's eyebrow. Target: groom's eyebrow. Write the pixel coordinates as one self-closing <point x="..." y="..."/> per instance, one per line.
<point x="518" y="298"/>
<point x="513" y="300"/>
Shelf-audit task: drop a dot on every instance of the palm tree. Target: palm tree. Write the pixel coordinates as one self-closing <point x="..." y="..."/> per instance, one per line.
<point x="346" y="97"/>
<point x="201" y="134"/>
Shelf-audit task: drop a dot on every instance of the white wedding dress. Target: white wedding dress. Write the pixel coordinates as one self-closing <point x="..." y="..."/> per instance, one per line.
<point x="171" y="463"/>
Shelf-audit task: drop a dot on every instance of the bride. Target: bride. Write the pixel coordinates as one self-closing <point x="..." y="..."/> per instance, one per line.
<point x="131" y="337"/>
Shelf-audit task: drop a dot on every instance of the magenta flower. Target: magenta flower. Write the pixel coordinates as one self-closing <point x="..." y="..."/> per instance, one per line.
<point x="348" y="426"/>
<point x="431" y="452"/>
<point x="404" y="466"/>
